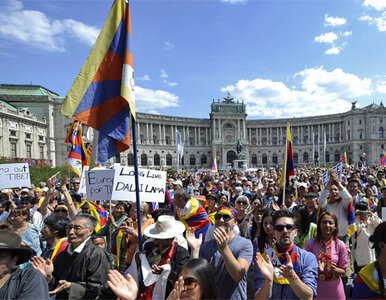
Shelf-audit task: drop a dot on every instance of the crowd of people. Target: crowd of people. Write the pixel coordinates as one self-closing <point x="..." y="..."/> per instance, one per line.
<point x="228" y="235"/>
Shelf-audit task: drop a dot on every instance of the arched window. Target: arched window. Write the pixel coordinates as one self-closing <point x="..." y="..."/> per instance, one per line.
<point x="254" y="159"/>
<point x="157" y="160"/>
<point x="203" y="159"/>
<point x="130" y="159"/>
<point x="143" y="159"/>
<point x="265" y="159"/>
<point x="169" y="160"/>
<point x="296" y="158"/>
<point x="231" y="156"/>
<point x="305" y="157"/>
<point x="192" y="160"/>
<point x="274" y="158"/>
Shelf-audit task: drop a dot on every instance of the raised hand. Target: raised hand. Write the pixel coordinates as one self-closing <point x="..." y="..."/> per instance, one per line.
<point x="265" y="266"/>
<point x="46" y="267"/>
<point x="221" y="237"/>
<point x="287" y="270"/>
<point x="193" y="242"/>
<point x="177" y="290"/>
<point x="124" y="288"/>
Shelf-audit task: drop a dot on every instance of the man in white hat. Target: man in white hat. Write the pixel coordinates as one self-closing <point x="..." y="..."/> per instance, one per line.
<point x="161" y="260"/>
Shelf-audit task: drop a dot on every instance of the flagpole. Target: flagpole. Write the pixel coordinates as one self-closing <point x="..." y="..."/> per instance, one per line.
<point x="133" y="126"/>
<point x="285" y="167"/>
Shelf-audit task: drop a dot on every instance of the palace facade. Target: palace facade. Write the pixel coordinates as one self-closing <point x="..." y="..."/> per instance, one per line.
<point x="32" y="128"/>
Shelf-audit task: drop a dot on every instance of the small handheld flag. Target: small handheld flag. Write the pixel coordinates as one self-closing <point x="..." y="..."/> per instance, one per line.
<point x="343" y="160"/>
<point x="382" y="159"/>
<point x="213" y="167"/>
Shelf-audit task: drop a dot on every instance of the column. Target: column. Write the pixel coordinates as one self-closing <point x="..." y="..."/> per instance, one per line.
<point x="199" y="135"/>
<point x="214" y="128"/>
<point x="172" y="129"/>
<point x="309" y="134"/>
<point x="138" y="133"/>
<point x="340" y="131"/>
<point x="160" y="136"/>
<point x="250" y="136"/>
<point x="206" y="136"/>
<point x="151" y="134"/>
<point x="238" y="128"/>
<point x="219" y="129"/>
<point x="244" y="130"/>
<point x="187" y="134"/>
<point x="333" y="132"/>
<point x="147" y="133"/>
<point x="259" y="136"/>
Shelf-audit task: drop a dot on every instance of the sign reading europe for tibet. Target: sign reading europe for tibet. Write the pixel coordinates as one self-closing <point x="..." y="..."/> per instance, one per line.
<point x="99" y="184"/>
<point x="14" y="175"/>
<point x="152" y="184"/>
<point x="326" y="177"/>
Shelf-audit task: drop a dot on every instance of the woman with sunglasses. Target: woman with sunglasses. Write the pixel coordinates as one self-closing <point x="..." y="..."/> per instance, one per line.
<point x="331" y="254"/>
<point x="256" y="229"/>
<point x="196" y="281"/>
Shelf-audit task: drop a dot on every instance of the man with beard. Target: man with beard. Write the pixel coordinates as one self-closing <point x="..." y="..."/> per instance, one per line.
<point x="289" y="272"/>
<point x="229" y="255"/>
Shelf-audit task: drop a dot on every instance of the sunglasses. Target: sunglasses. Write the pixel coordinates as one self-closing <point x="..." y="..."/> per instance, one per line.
<point x="190" y="283"/>
<point x="60" y="210"/>
<point x="280" y="227"/>
<point x="225" y="217"/>
<point x="242" y="202"/>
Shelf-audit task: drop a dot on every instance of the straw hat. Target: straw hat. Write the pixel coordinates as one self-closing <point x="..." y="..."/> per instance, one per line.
<point x="166" y="227"/>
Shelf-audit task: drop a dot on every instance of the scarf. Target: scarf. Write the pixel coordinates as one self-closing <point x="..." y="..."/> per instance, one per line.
<point x="59" y="247"/>
<point x="148" y="293"/>
<point x="278" y="259"/>
<point x="325" y="256"/>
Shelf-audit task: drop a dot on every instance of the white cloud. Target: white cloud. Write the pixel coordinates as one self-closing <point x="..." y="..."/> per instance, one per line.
<point x="35" y="28"/>
<point x="377" y="4"/>
<point x="169" y="83"/>
<point x="333" y="21"/>
<point x="164" y="74"/>
<point x="233" y="1"/>
<point x="328" y="37"/>
<point x="321" y="92"/>
<point x="346" y="33"/>
<point x="168" y="46"/>
<point x="381" y="88"/>
<point x="148" y="100"/>
<point x="143" y="78"/>
<point x="380" y="22"/>
<point x="333" y="50"/>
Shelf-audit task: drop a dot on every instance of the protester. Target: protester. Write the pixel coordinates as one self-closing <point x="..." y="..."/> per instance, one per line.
<point x="196" y="281"/>
<point x="156" y="269"/>
<point x="370" y="282"/>
<point x="381" y="203"/>
<point x="212" y="206"/>
<point x="256" y="229"/>
<point x="331" y="254"/>
<point x="306" y="229"/>
<point x="229" y="255"/>
<point x="81" y="270"/>
<point x="311" y="205"/>
<point x="288" y="271"/>
<point x="241" y="205"/>
<point x="16" y="283"/>
<point x="35" y="216"/>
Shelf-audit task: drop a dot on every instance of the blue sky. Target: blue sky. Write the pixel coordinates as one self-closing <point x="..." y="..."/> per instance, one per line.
<point x="283" y="58"/>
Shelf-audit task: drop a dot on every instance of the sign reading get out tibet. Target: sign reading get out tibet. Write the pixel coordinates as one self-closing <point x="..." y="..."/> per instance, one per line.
<point x="14" y="175"/>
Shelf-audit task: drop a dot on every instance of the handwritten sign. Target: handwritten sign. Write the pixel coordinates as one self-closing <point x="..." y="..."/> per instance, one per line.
<point x="152" y="184"/>
<point x="326" y="177"/>
<point x="99" y="184"/>
<point x="14" y="175"/>
<point x="82" y="187"/>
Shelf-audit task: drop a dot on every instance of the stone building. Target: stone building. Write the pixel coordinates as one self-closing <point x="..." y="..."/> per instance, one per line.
<point x="358" y="132"/>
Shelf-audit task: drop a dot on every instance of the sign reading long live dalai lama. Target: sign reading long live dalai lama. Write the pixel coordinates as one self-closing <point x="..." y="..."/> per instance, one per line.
<point x="152" y="184"/>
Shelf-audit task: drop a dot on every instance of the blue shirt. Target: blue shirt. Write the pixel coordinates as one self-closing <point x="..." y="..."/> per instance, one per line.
<point x="307" y="272"/>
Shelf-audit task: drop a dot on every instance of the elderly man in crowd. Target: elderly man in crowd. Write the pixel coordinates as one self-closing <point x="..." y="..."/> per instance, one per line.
<point x="229" y="255"/>
<point x="81" y="270"/>
<point x="289" y="272"/>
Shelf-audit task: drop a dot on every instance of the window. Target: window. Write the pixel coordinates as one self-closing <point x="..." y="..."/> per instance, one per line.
<point x="305" y="157"/>
<point x="265" y="159"/>
<point x="327" y="157"/>
<point x="296" y="158"/>
<point x="348" y="135"/>
<point x="169" y="160"/>
<point x="28" y="136"/>
<point x="155" y="139"/>
<point x="203" y="159"/>
<point x="41" y="138"/>
<point x="254" y="159"/>
<point x="168" y="140"/>
<point x="130" y="159"/>
<point x="360" y="121"/>
<point x="29" y="151"/>
<point x="274" y="158"/>
<point x="337" y="157"/>
<point x="380" y="132"/>
<point x="143" y="159"/>
<point x="41" y="152"/>
<point x="254" y="141"/>
<point x="12" y="133"/>
<point x="192" y="160"/>
<point x="157" y="160"/>
<point x="13" y="150"/>
<point x="117" y="159"/>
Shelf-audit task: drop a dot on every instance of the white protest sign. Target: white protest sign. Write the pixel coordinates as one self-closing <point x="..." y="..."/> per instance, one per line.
<point x="14" y="175"/>
<point x="326" y="177"/>
<point x="82" y="187"/>
<point x="152" y="185"/>
<point x="99" y="184"/>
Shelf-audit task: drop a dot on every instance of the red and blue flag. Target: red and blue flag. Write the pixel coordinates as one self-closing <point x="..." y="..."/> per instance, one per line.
<point x="102" y="95"/>
<point x="382" y="159"/>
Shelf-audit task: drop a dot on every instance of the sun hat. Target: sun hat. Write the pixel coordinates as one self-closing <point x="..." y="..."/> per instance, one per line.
<point x="302" y="184"/>
<point x="12" y="241"/>
<point x="166" y="227"/>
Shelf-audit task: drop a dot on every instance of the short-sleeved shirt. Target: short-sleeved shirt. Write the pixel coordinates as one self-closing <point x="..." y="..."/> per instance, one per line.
<point x="227" y="287"/>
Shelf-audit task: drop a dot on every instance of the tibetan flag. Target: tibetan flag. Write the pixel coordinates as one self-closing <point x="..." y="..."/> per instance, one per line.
<point x="213" y="167"/>
<point x="98" y="212"/>
<point x="288" y="168"/>
<point x="343" y="160"/>
<point x="162" y="168"/>
<point x="382" y="159"/>
<point x="77" y="158"/>
<point x="102" y="95"/>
